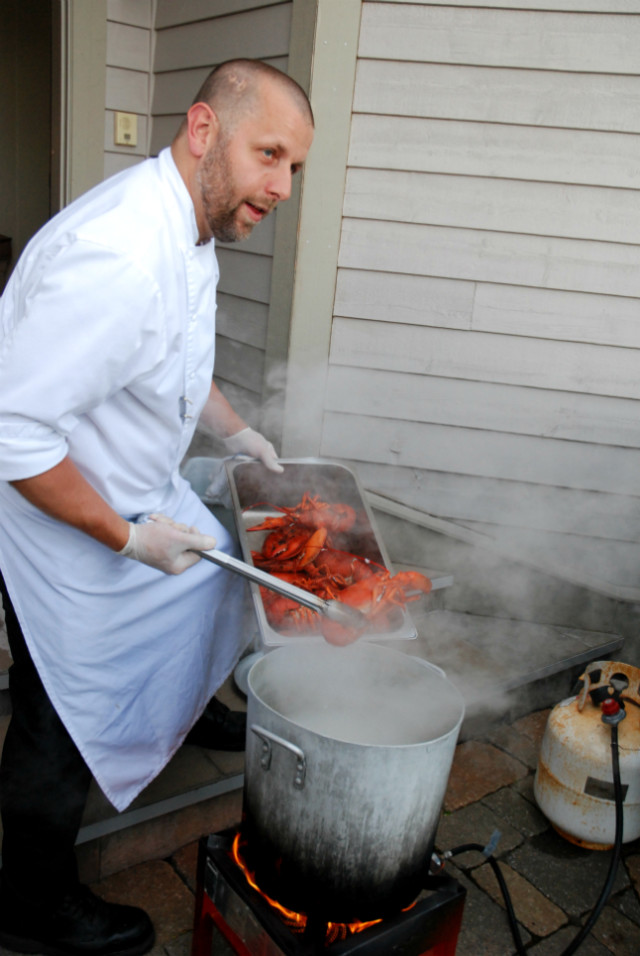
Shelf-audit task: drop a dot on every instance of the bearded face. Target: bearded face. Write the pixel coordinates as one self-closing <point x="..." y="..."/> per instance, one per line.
<point x="248" y="163"/>
<point x="229" y="214"/>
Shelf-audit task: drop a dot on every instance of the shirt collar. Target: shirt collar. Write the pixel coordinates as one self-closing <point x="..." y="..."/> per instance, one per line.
<point x="185" y="203"/>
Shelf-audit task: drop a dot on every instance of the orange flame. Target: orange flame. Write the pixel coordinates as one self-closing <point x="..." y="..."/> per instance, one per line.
<point x="297" y="921"/>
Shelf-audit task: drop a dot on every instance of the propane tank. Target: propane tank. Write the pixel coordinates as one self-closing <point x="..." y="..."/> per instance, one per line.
<point x="573" y="784"/>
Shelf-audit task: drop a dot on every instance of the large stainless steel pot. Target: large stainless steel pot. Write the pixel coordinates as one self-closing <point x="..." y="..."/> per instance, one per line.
<point x="348" y="756"/>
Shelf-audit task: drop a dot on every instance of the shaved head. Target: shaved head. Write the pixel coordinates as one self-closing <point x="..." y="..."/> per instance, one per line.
<point x="245" y="136"/>
<point x="233" y="90"/>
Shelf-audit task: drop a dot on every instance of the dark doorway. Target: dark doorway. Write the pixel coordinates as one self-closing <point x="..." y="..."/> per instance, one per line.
<point x="29" y="81"/>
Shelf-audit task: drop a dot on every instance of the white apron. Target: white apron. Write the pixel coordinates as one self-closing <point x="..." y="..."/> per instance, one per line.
<point x="107" y="356"/>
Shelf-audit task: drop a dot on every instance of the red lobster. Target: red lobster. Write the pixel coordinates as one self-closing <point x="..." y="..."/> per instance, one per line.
<point x="376" y="597"/>
<point x="297" y="549"/>
<point x="289" y="554"/>
<point x="311" y="512"/>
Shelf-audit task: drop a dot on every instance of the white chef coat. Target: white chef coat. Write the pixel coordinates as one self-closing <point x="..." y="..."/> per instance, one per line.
<point x="107" y="355"/>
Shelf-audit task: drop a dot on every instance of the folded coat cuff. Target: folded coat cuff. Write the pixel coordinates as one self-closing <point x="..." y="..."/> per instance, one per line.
<point x="28" y="449"/>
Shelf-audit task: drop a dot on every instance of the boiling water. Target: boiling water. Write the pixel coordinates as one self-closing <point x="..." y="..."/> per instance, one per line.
<point x="363" y="694"/>
<point x="360" y="727"/>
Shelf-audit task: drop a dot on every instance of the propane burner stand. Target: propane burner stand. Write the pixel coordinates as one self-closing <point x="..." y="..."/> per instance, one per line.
<point x="252" y="927"/>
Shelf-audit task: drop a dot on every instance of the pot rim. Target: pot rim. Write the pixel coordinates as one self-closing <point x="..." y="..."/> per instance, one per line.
<point x="288" y="650"/>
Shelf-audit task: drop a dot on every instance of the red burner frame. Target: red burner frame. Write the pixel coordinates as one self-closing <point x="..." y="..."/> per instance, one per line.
<point x="251" y="927"/>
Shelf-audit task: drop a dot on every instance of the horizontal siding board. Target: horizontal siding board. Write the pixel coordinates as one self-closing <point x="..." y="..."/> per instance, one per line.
<point x="543" y="413"/>
<point x="461" y="498"/>
<point x="503" y="205"/>
<point x="242" y="320"/>
<point x="174" y="91"/>
<point x="244" y="274"/>
<point x="569" y="264"/>
<point x="239" y="364"/>
<point x="128" y="47"/>
<point x="467" y="451"/>
<point x="116" y="162"/>
<point x="127" y="90"/>
<point x="523" y="39"/>
<point x="134" y="12"/>
<point x="577" y="6"/>
<point x="551" y="314"/>
<point x="606" y="565"/>
<point x="169" y="13"/>
<point x="257" y="34"/>
<point x="525" y="97"/>
<point x="163" y="129"/>
<point x="505" y="359"/>
<point x="491" y="149"/>
<point x="417" y="300"/>
<point x="486" y="306"/>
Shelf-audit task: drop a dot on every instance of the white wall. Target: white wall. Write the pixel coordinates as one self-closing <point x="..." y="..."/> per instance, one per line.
<point x="484" y="346"/>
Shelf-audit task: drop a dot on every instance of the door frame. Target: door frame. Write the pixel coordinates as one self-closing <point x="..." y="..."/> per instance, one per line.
<point x="332" y="58"/>
<point x="78" y="98"/>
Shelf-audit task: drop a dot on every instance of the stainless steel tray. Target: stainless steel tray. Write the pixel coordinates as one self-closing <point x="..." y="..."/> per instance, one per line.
<point x="257" y="493"/>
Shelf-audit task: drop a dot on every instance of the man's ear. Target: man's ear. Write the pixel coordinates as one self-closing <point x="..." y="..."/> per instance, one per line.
<point x="202" y="128"/>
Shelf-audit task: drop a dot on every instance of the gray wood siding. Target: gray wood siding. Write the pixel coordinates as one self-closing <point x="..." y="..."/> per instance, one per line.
<point x="191" y="38"/>
<point x="484" y="351"/>
<point x="128" y="81"/>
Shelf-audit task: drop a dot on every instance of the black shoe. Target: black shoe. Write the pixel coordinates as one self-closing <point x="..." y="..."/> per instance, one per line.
<point x="219" y="728"/>
<point x="82" y="924"/>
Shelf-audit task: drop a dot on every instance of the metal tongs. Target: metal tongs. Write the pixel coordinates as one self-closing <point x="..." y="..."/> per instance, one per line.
<point x="335" y="611"/>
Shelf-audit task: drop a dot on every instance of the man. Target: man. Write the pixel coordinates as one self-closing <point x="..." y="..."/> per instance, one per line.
<point x="106" y="356"/>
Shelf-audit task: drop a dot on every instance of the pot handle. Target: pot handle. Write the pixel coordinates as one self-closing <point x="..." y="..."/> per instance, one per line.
<point x="268" y="738"/>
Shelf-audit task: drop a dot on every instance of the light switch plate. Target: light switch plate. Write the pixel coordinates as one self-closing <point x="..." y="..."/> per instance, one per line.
<point x="126" y="129"/>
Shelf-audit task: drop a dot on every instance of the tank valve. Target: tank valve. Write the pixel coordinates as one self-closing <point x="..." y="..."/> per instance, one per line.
<point x="612" y="712"/>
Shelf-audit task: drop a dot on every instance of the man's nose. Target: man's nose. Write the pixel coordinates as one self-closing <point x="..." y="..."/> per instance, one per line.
<point x="280" y="184"/>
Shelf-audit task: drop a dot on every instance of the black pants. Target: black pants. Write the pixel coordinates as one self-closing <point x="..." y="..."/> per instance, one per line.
<point x="44" y="780"/>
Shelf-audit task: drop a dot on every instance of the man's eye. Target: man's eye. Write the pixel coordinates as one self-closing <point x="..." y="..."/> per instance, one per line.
<point x="269" y="153"/>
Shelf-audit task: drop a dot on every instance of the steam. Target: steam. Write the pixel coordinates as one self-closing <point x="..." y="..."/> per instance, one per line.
<point x="362" y="694"/>
<point x="545" y="561"/>
<point x="520" y="598"/>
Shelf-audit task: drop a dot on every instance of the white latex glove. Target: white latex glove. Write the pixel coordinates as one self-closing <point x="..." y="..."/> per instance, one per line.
<point x="164" y="544"/>
<point x="254" y="445"/>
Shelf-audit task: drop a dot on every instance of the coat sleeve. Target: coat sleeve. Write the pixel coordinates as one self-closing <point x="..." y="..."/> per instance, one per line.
<point x="80" y="323"/>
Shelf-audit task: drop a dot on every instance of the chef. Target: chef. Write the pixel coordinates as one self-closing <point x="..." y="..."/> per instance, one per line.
<point x="120" y="633"/>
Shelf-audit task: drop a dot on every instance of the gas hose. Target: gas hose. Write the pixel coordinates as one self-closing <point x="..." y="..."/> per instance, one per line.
<point x="611" y="874"/>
